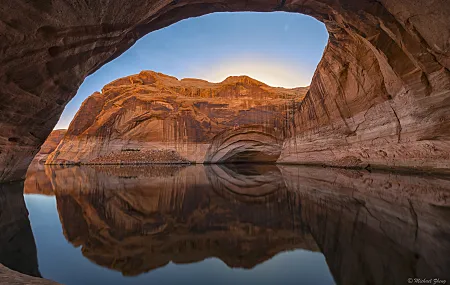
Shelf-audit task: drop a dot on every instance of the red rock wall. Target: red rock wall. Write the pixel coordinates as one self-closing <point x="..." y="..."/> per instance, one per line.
<point x="380" y="96"/>
<point x="50" y="144"/>
<point x="154" y="118"/>
<point x="388" y="57"/>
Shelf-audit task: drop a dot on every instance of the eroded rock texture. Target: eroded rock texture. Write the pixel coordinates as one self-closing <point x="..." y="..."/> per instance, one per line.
<point x="373" y="228"/>
<point x="49" y="146"/>
<point x="151" y="117"/>
<point x="380" y="94"/>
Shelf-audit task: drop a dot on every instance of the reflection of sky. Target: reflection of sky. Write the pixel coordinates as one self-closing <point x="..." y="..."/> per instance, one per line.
<point x="60" y="261"/>
<point x="280" y="49"/>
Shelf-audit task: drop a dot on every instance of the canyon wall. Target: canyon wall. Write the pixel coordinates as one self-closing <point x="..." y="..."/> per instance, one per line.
<point x="151" y="117"/>
<point x="35" y="178"/>
<point x="49" y="146"/>
<point x="380" y="94"/>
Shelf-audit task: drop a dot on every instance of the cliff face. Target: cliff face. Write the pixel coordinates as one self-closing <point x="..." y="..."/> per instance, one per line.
<point x="380" y="94"/>
<point x="36" y="182"/>
<point x="49" y="146"/>
<point x="152" y="117"/>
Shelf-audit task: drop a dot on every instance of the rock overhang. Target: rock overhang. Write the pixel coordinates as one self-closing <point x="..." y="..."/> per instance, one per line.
<point x="379" y="95"/>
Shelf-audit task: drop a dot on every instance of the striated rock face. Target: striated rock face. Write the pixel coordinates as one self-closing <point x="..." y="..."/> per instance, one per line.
<point x="152" y="117"/>
<point x="49" y="146"/>
<point x="36" y="181"/>
<point x="380" y="94"/>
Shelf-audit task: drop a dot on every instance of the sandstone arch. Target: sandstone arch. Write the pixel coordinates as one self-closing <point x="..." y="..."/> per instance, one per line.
<point x="249" y="143"/>
<point x="380" y="94"/>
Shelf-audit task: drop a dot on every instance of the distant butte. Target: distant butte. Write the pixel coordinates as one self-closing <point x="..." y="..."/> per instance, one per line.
<point x="155" y="118"/>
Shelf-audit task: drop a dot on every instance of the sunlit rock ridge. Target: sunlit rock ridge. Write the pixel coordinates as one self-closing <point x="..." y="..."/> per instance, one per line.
<point x="152" y="117"/>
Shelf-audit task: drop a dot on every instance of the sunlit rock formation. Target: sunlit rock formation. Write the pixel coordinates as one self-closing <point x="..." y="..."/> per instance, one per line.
<point x="380" y="94"/>
<point x="373" y="228"/>
<point x="49" y="146"/>
<point x="151" y="117"/>
<point x="37" y="181"/>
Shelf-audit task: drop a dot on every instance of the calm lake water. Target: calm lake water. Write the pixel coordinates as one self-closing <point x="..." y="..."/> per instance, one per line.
<point x="226" y="224"/>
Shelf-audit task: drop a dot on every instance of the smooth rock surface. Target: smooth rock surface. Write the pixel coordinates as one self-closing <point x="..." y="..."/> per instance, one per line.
<point x="154" y="118"/>
<point x="10" y="277"/>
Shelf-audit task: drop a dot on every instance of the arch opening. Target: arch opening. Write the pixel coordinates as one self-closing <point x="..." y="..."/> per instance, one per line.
<point x="380" y="95"/>
<point x="226" y="87"/>
<point x="252" y="156"/>
<point x="215" y="47"/>
<point x="251" y="144"/>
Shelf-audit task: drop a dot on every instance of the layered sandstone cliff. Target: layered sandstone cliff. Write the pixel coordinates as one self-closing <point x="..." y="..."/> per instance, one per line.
<point x="49" y="145"/>
<point x="35" y="181"/>
<point x="154" y="118"/>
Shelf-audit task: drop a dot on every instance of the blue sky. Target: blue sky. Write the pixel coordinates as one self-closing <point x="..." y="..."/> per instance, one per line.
<point x="280" y="49"/>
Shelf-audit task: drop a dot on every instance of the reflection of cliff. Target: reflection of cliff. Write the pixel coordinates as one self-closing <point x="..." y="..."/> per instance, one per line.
<point x="17" y="246"/>
<point x="373" y="228"/>
<point x="135" y="224"/>
<point x="37" y="181"/>
<point x="376" y="228"/>
<point x="246" y="182"/>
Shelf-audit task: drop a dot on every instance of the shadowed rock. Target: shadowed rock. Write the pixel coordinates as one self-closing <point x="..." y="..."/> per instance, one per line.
<point x="17" y="246"/>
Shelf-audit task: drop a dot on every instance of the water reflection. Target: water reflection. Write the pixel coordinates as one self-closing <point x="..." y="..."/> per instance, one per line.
<point x="137" y="219"/>
<point x="373" y="228"/>
<point x="17" y="245"/>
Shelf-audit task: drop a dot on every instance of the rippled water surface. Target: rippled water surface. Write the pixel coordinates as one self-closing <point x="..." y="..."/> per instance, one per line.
<point x="226" y="224"/>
